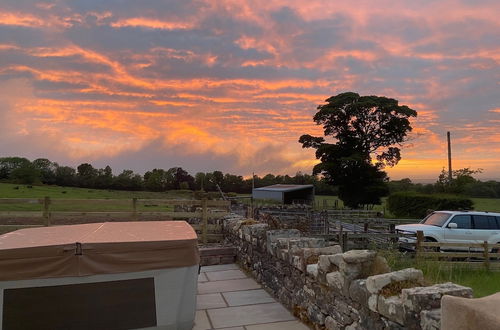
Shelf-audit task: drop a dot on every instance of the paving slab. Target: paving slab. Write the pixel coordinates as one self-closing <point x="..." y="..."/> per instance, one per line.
<point x="215" y="268"/>
<point x="290" y="325"/>
<point x="210" y="300"/>
<point x="248" y="315"/>
<point x="220" y="275"/>
<point x="231" y="328"/>
<point x="247" y="297"/>
<point x="202" y="278"/>
<point x="228" y="285"/>
<point x="201" y="321"/>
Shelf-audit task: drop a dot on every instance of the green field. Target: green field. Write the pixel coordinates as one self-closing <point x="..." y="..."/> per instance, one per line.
<point x="8" y="190"/>
<point x="480" y="204"/>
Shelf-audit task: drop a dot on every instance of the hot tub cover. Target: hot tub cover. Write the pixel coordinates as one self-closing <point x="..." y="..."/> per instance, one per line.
<point x="96" y="248"/>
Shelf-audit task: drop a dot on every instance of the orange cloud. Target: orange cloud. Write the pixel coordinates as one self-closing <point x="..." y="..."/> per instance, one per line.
<point x="152" y="24"/>
<point x="242" y="79"/>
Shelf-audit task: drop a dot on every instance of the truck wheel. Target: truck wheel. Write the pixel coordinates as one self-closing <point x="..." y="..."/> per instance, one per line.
<point x="433" y="248"/>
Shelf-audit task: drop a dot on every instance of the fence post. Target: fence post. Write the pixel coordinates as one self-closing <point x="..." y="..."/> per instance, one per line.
<point x="341" y="236"/>
<point x="365" y="229"/>
<point x="486" y="255"/>
<point x="46" y="210"/>
<point x="392" y="228"/>
<point x="327" y="224"/>
<point x="344" y="242"/>
<point x="134" y="208"/>
<point x="325" y="204"/>
<point x="420" y="239"/>
<point x="204" y="219"/>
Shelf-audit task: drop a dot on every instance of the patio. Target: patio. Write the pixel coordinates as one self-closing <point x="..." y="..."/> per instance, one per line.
<point x="229" y="299"/>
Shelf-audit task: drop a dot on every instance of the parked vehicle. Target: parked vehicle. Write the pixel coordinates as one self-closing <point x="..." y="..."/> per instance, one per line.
<point x="454" y="227"/>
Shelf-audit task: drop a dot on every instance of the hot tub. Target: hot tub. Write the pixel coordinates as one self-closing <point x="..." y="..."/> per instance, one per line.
<point x="113" y="275"/>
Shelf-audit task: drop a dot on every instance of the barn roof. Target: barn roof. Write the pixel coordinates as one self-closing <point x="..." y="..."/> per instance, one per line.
<point x="285" y="187"/>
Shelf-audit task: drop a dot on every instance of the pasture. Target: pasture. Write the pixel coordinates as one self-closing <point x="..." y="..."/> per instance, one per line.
<point x="8" y="190"/>
<point x="480" y="204"/>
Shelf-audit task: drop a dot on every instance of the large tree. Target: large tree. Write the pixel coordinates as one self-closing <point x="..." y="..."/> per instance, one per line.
<point x="365" y="133"/>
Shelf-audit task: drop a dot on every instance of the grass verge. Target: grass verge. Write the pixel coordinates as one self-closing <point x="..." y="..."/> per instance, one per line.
<point x="482" y="281"/>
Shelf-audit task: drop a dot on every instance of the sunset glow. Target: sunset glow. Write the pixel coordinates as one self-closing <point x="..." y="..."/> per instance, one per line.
<point x="231" y="85"/>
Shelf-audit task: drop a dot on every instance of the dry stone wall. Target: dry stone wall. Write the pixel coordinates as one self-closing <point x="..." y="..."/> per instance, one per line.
<point x="333" y="290"/>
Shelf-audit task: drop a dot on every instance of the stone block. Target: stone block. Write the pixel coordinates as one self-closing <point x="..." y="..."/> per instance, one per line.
<point x="353" y="326"/>
<point x="337" y="259"/>
<point x="325" y="265"/>
<point x="298" y="262"/>
<point x="430" y="320"/>
<point x="315" y="315"/>
<point x="351" y="271"/>
<point x="335" y="280"/>
<point x="376" y="283"/>
<point x="259" y="230"/>
<point x="392" y="308"/>
<point x="331" y="324"/>
<point x="373" y="303"/>
<point x="359" y="256"/>
<point x="312" y="270"/>
<point x="358" y="292"/>
<point x="427" y="298"/>
<point x="272" y="237"/>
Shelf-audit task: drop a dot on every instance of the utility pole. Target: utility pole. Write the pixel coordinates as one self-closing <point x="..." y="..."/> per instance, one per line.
<point x="449" y="157"/>
<point x="251" y="198"/>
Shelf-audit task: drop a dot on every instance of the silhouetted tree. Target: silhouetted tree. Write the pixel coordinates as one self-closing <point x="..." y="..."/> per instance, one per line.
<point x="362" y="128"/>
<point x="47" y="170"/>
<point x="104" y="179"/>
<point x="128" y="180"/>
<point x="65" y="176"/>
<point x="156" y="180"/>
<point x="8" y="164"/>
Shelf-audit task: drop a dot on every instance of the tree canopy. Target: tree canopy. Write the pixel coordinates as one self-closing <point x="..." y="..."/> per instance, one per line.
<point x="366" y="132"/>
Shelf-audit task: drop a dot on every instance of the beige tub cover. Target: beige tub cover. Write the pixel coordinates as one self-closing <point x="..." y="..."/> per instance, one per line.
<point x="96" y="248"/>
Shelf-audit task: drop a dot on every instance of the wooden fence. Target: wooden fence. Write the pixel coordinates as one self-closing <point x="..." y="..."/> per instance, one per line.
<point x="52" y="211"/>
<point x="470" y="255"/>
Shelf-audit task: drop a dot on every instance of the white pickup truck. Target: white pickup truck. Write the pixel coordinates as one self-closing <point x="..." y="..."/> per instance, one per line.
<point x="455" y="227"/>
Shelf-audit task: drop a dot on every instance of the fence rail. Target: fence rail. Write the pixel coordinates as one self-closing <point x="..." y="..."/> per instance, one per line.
<point x="473" y="255"/>
<point x="48" y="214"/>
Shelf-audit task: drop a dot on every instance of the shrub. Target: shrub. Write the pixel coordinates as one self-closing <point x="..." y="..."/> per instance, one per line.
<point x="416" y="205"/>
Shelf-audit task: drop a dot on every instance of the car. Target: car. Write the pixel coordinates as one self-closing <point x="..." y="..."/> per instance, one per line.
<point x="453" y="227"/>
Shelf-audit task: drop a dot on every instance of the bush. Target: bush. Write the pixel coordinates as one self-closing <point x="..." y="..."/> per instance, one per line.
<point x="481" y="189"/>
<point x="416" y="205"/>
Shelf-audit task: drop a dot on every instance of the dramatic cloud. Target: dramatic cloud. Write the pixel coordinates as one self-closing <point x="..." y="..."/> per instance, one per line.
<point x="231" y="85"/>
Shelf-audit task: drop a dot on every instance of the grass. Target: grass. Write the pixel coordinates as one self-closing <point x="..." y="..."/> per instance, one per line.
<point x="487" y="204"/>
<point x="482" y="281"/>
<point x="480" y="204"/>
<point x="8" y="190"/>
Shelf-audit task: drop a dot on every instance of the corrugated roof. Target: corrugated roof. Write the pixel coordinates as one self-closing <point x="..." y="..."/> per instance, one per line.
<point x="285" y="187"/>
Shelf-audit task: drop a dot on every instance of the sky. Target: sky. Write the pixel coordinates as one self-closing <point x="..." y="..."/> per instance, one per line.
<point x="232" y="85"/>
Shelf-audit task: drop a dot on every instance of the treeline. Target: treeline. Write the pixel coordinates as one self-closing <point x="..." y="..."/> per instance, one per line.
<point x="462" y="183"/>
<point x="43" y="171"/>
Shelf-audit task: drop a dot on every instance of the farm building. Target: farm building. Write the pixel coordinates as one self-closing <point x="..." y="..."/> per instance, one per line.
<point x="286" y="193"/>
